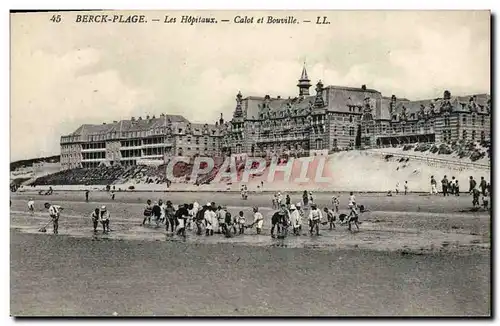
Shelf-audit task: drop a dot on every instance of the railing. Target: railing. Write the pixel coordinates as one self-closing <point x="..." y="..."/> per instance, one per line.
<point x="435" y="162"/>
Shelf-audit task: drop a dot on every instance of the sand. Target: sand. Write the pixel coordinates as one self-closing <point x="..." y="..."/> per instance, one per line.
<point x="414" y="255"/>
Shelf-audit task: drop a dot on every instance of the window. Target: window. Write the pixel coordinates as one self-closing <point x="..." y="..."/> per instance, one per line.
<point x="473" y="135"/>
<point x="482" y="135"/>
<point x="351" y="131"/>
<point x="474" y="120"/>
<point x="464" y="120"/>
<point x="464" y="134"/>
<point x="482" y="120"/>
<point x="350" y="118"/>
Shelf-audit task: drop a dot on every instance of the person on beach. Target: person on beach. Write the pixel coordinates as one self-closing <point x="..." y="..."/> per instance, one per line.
<point x="482" y="186"/>
<point x="113" y="194"/>
<point x="275" y="201"/>
<point x="457" y="188"/>
<point x="451" y="186"/>
<point x="311" y="198"/>
<point x="275" y="221"/>
<point x="295" y="219"/>
<point x="258" y="220"/>
<point x="397" y="187"/>
<point x="305" y="198"/>
<point x="330" y="215"/>
<point x="54" y="213"/>
<point x="444" y="186"/>
<point x="475" y="197"/>
<point x="229" y="224"/>
<point x="302" y="214"/>
<point x="279" y="199"/>
<point x="31" y="206"/>
<point x="191" y="215"/>
<point x="288" y="200"/>
<point x="335" y="204"/>
<point x="486" y="200"/>
<point x="87" y="195"/>
<point x="284" y="222"/>
<point x="221" y="218"/>
<point x="315" y="217"/>
<point x="104" y="218"/>
<point x="406" y="187"/>
<point x="181" y="216"/>
<point x="352" y="207"/>
<point x="148" y="211"/>
<point x="472" y="184"/>
<point x="209" y="220"/>
<point x="169" y="217"/>
<point x="95" y="218"/>
<point x="241" y="222"/>
<point x="200" y="220"/>
<point x="156" y="212"/>
<point x="163" y="207"/>
<point x="433" y="186"/>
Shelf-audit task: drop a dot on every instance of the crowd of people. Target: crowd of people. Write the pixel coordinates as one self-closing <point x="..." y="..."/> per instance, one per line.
<point x="451" y="187"/>
<point x="210" y="219"/>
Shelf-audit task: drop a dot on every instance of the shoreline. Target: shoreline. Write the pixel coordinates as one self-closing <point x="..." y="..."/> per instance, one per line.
<point x="279" y="243"/>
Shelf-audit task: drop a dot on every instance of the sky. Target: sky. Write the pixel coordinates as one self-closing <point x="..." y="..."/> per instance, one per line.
<point x="67" y="74"/>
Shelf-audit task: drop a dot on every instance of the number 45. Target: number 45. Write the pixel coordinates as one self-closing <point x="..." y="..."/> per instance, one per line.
<point x="56" y="18"/>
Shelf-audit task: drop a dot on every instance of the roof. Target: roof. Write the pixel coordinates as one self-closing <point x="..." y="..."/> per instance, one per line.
<point x="459" y="103"/>
<point x="254" y="105"/>
<point x="340" y="97"/>
<point x="128" y="125"/>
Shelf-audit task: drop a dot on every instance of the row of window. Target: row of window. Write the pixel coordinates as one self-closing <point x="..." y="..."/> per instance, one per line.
<point x="99" y="145"/>
<point x="93" y="155"/>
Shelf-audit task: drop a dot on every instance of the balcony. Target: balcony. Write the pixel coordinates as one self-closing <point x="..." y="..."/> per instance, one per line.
<point x="93" y="150"/>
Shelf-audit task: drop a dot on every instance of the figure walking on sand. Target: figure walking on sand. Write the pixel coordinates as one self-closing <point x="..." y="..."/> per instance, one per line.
<point x="54" y="213"/>
<point x="314" y="219"/>
<point x="31" y="206"/>
<point x="433" y="186"/>
<point x="258" y="220"/>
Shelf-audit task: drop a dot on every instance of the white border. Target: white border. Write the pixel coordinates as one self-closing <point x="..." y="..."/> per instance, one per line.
<point x="199" y="4"/>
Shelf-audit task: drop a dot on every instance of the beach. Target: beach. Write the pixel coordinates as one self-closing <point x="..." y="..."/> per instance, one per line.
<point x="414" y="255"/>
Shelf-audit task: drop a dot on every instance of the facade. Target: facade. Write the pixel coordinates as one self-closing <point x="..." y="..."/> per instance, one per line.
<point x="338" y="117"/>
<point x="334" y="118"/>
<point x="138" y="141"/>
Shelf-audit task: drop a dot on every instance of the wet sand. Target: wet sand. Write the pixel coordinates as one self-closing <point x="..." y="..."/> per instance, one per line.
<point x="75" y="276"/>
<point x="431" y="261"/>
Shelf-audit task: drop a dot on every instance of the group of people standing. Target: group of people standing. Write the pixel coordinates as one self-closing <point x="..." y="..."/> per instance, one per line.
<point x="208" y="219"/>
<point x="451" y="187"/>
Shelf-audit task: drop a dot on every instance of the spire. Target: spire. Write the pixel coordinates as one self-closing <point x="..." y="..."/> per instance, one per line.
<point x="304" y="83"/>
<point x="238" y="112"/>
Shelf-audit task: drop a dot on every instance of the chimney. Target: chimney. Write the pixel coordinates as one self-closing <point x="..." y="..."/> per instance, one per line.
<point x="154" y="116"/>
<point x="147" y="117"/>
<point x="363" y="87"/>
<point x="140" y="118"/>
<point x="104" y="123"/>
<point x="279" y="97"/>
<point x="132" y="119"/>
<point x="114" y="121"/>
<point x="162" y="115"/>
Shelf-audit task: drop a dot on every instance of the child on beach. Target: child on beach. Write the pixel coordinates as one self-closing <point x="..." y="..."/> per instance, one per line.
<point x="258" y="219"/>
<point x="31" y="206"/>
<point x="241" y="222"/>
<point x="148" y="211"/>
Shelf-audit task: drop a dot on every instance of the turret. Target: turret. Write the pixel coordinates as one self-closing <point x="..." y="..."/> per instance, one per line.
<point x="304" y="83"/>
